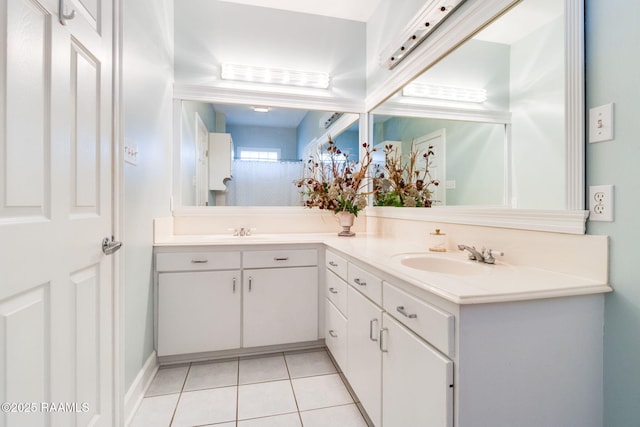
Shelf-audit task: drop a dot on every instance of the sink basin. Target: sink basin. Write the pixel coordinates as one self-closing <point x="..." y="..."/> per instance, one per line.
<point x="436" y="264"/>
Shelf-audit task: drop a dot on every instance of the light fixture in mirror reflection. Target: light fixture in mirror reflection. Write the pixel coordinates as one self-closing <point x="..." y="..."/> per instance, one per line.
<point x="267" y="152"/>
<point x="504" y="144"/>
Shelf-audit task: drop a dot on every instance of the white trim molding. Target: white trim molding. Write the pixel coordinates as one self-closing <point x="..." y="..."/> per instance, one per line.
<point x="136" y="392"/>
<point x="310" y="100"/>
<point x="570" y="222"/>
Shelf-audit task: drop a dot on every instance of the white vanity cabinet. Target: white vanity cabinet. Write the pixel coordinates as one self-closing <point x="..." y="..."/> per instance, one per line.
<point x="249" y="298"/>
<point x="399" y="377"/>
<point x="198" y="298"/>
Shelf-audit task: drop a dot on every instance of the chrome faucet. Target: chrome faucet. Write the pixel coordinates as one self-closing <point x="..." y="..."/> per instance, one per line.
<point x="242" y="231"/>
<point x="485" y="256"/>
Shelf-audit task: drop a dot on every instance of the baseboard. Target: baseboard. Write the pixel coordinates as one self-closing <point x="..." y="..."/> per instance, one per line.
<point x="135" y="394"/>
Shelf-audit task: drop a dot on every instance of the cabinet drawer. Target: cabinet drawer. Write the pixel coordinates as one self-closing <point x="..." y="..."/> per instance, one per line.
<point x="428" y="321"/>
<point x="336" y="334"/>
<point x="280" y="258"/>
<point x="194" y="261"/>
<point x="337" y="292"/>
<point x="365" y="282"/>
<point x="337" y="264"/>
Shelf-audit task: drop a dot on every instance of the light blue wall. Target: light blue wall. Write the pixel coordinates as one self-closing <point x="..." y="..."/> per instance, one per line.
<point x="474" y="155"/>
<point x="309" y="129"/>
<point x="147" y="94"/>
<point x="265" y="137"/>
<point x="613" y="75"/>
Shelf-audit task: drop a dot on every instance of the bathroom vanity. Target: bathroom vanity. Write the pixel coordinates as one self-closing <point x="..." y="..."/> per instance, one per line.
<point x="498" y="345"/>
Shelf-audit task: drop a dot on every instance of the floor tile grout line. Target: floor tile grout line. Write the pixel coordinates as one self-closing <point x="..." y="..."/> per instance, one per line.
<point x="175" y="409"/>
<point x="295" y="398"/>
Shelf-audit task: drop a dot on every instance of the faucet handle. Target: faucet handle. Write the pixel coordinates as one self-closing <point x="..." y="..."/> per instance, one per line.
<point x="488" y="255"/>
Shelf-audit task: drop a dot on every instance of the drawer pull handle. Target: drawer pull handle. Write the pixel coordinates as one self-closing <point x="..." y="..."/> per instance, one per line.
<point x="199" y="261"/>
<point x="372" y="337"/>
<point x="333" y="264"/>
<point x="380" y="343"/>
<point x="359" y="282"/>
<point x="333" y="333"/>
<point x="234" y="285"/>
<point x="333" y="290"/>
<point x="250" y="283"/>
<point x="286" y="258"/>
<point x="402" y="311"/>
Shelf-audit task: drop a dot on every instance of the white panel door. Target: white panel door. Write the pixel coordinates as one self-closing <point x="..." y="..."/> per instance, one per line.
<point x="198" y="311"/>
<point x="280" y="306"/>
<point x="56" y="335"/>
<point x="417" y="380"/>
<point x="364" y="358"/>
<point x="437" y="162"/>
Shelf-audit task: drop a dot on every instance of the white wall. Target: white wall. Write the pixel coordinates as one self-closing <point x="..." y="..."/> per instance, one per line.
<point x="387" y="22"/>
<point x="147" y="92"/>
<point x="211" y="32"/>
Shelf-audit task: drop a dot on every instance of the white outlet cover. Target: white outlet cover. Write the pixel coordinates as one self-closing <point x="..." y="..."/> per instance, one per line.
<point x="601" y="123"/>
<point x="601" y="203"/>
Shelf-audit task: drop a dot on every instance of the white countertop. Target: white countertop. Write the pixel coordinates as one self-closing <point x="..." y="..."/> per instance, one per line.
<point x="497" y="283"/>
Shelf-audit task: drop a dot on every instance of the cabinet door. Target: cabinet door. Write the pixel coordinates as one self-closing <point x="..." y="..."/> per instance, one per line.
<point x="418" y="380"/>
<point x="198" y="311"/>
<point x="364" y="359"/>
<point x="280" y="306"/>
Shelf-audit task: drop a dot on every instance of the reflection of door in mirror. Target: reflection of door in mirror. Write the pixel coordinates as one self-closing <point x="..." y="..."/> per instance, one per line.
<point x="437" y="162"/>
<point x="202" y="163"/>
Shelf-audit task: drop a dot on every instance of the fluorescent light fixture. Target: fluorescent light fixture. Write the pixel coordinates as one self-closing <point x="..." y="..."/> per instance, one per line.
<point x="261" y="109"/>
<point x="425" y="22"/>
<point x="448" y="93"/>
<point x="279" y="76"/>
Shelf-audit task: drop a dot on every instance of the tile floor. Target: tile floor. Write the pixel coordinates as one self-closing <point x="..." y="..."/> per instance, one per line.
<point x="291" y="389"/>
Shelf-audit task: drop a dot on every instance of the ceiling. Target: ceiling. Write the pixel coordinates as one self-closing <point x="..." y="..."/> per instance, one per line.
<point x="276" y="117"/>
<point x="355" y="10"/>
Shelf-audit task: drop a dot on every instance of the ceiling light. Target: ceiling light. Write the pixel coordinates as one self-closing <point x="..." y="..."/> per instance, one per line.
<point x="278" y="76"/>
<point x="261" y="109"/>
<point x="427" y="20"/>
<point x="448" y="93"/>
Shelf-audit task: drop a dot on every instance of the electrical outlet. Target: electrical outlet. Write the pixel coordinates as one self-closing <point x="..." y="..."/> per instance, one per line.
<point x="601" y="203"/>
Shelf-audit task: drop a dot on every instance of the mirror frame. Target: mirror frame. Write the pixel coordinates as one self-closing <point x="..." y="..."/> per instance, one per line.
<point x="470" y="18"/>
<point x="458" y="28"/>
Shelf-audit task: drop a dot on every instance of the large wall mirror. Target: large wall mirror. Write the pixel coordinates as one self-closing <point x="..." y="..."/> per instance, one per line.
<point x="519" y="152"/>
<point x="505" y="108"/>
<point x="494" y="110"/>
<point x="250" y="155"/>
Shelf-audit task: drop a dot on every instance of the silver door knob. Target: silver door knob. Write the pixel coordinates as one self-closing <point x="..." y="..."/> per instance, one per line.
<point x="110" y="246"/>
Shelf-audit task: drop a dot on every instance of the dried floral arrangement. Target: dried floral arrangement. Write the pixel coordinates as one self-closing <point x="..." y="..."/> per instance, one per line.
<point x="401" y="184"/>
<point x="338" y="184"/>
